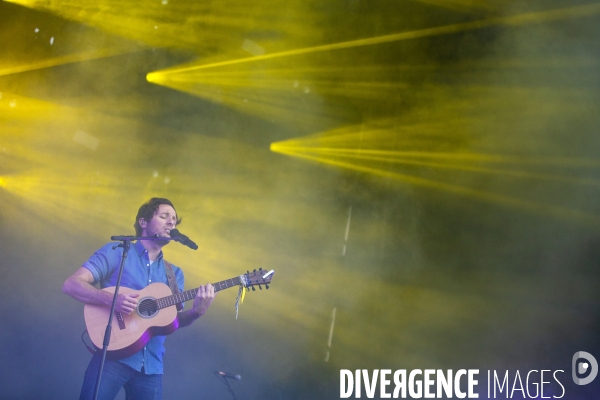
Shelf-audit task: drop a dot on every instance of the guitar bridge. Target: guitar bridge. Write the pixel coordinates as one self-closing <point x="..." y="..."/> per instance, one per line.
<point x="120" y="320"/>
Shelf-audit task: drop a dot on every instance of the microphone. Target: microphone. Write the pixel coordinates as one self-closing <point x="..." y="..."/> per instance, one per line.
<point x="237" y="377"/>
<point x="122" y="238"/>
<point x="181" y="238"/>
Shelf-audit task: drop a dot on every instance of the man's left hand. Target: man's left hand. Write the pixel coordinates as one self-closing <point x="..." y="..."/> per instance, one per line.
<point x="204" y="298"/>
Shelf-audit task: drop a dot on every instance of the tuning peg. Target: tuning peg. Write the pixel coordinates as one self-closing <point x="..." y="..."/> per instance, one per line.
<point x="254" y="270"/>
<point x="248" y="272"/>
<point x="260" y="269"/>
<point x="253" y="289"/>
<point x="267" y="286"/>
<point x="260" y="287"/>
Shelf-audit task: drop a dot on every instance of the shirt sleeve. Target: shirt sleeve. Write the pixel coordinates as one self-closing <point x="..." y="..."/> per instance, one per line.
<point x="102" y="263"/>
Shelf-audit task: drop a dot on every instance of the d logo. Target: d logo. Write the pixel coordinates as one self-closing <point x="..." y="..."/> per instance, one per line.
<point x="583" y="368"/>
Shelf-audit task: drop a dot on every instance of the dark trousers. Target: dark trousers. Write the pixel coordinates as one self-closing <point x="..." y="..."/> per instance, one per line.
<point x="116" y="375"/>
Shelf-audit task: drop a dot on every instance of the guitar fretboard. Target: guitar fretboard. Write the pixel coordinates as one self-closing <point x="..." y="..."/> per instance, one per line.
<point x="182" y="297"/>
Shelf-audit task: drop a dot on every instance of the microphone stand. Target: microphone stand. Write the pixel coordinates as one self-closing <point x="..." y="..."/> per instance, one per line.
<point x="227" y="383"/>
<point x="125" y="245"/>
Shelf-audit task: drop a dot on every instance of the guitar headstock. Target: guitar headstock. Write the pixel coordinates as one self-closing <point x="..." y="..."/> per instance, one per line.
<point x="258" y="278"/>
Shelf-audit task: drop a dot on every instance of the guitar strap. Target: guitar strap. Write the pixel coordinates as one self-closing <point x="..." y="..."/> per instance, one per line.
<point x="172" y="282"/>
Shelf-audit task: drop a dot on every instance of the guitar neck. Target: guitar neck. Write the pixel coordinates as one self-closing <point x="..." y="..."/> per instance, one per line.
<point x="182" y="297"/>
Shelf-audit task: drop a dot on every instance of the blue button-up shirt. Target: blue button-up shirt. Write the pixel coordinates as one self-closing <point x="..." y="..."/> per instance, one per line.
<point x="138" y="272"/>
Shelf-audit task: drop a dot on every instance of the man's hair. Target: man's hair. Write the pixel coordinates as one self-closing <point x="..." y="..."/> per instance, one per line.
<point x="147" y="211"/>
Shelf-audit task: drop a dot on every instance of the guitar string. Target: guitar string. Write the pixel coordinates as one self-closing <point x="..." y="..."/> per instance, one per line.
<point x="154" y="304"/>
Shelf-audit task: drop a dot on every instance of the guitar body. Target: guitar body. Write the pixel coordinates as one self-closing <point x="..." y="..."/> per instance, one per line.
<point x="131" y="332"/>
<point x="155" y="315"/>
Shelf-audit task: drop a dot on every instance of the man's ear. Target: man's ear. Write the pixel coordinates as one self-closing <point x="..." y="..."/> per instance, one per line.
<point x="142" y="223"/>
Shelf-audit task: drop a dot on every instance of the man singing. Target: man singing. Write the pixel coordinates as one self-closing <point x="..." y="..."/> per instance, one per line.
<point x="141" y="373"/>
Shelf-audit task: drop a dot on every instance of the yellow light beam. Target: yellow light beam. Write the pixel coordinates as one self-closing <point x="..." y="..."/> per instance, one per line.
<point x="288" y="146"/>
<point x="464" y="6"/>
<point x="67" y="59"/>
<point x="521" y="19"/>
<point x="529" y="206"/>
<point x="461" y="167"/>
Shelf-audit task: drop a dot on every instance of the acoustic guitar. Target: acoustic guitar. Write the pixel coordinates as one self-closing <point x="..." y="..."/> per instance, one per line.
<point x="155" y="314"/>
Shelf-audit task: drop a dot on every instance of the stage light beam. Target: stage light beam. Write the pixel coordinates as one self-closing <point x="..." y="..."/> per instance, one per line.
<point x="303" y="86"/>
<point x="514" y="20"/>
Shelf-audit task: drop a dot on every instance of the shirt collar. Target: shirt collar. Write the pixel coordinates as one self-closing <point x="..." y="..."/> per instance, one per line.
<point x="139" y="247"/>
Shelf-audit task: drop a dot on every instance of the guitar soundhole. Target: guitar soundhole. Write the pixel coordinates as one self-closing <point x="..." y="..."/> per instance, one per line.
<point x="147" y="308"/>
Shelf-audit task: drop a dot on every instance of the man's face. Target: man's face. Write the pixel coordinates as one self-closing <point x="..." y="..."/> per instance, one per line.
<point x="163" y="220"/>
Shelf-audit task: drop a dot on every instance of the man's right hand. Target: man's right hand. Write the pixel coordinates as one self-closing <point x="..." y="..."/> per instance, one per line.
<point x="126" y="303"/>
